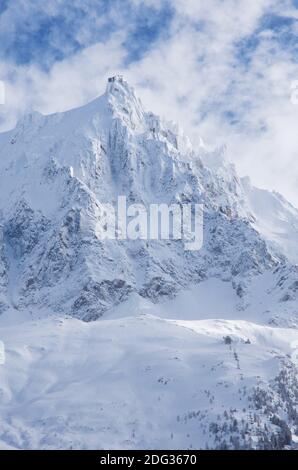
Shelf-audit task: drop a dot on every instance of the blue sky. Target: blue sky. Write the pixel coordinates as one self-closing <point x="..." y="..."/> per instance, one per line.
<point x="31" y="33"/>
<point x="222" y="68"/>
<point x="43" y="36"/>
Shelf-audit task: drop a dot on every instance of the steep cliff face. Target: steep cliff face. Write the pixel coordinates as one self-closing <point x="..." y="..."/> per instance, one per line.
<point x="58" y="171"/>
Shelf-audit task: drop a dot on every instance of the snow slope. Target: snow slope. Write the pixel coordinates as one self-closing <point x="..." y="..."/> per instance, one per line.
<point x="145" y="382"/>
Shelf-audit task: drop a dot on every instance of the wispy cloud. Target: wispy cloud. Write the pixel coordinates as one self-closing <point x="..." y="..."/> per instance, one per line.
<point x="222" y="68"/>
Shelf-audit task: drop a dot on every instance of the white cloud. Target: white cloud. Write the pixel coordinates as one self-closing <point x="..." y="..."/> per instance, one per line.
<point x="194" y="76"/>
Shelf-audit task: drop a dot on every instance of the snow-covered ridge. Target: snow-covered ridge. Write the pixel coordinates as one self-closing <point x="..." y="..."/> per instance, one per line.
<point x="148" y="383"/>
<point x="56" y="171"/>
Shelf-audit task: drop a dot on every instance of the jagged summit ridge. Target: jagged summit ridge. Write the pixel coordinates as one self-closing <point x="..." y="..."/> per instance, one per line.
<point x="58" y="170"/>
<point x="124" y="103"/>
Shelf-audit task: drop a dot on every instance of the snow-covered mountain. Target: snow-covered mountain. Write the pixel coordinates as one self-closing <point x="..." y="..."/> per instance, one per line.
<point x="222" y="319"/>
<point x="56" y="173"/>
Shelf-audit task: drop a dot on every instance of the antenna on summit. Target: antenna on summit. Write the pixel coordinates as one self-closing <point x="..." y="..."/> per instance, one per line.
<point x="116" y="78"/>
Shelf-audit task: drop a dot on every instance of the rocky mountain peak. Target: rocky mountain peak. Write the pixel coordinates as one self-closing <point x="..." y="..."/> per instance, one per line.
<point x="124" y="103"/>
<point x="59" y="170"/>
